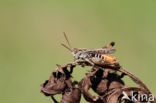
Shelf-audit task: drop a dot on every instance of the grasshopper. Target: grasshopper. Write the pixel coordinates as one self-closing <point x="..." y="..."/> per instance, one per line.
<point x="98" y="56"/>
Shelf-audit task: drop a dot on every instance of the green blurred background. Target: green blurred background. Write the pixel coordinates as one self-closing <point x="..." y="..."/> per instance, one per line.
<point x="31" y="33"/>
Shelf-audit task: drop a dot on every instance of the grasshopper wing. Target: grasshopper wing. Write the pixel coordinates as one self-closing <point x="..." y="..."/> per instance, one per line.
<point x="101" y="51"/>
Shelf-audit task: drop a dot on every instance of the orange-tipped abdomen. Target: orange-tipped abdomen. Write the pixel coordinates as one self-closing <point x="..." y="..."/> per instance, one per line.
<point x="109" y="59"/>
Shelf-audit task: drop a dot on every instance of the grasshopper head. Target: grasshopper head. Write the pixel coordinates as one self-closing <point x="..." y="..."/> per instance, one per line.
<point x="76" y="52"/>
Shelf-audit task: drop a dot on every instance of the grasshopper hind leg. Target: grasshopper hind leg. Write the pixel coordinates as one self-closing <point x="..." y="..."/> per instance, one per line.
<point x="89" y="61"/>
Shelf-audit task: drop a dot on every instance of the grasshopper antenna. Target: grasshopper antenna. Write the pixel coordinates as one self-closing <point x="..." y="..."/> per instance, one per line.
<point x="66" y="47"/>
<point x="67" y="40"/>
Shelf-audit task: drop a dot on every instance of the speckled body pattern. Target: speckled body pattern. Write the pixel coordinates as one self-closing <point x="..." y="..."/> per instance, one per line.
<point x="93" y="56"/>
